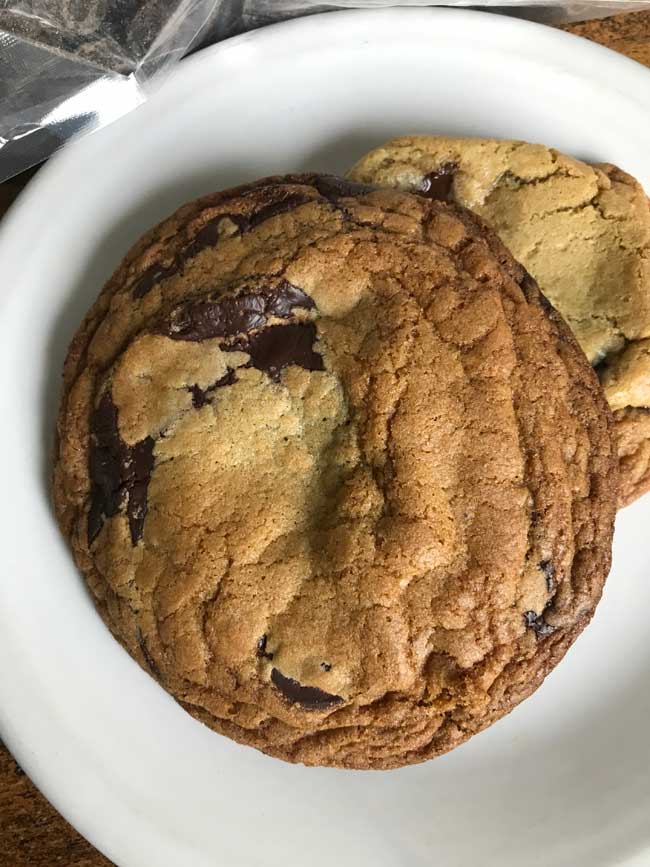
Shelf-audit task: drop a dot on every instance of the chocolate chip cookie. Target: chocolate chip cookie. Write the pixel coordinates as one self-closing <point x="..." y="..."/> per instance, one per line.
<point x="336" y="473"/>
<point x="583" y="231"/>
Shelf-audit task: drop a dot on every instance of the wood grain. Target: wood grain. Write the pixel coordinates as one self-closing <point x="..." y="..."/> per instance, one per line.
<point x="629" y="34"/>
<point x="32" y="833"/>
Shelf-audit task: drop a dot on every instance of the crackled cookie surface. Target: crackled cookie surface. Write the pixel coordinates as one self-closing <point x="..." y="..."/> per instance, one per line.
<point x="336" y="474"/>
<point x="583" y="231"/>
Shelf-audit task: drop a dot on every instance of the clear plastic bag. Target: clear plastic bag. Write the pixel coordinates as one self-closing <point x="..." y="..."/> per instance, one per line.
<point x="68" y="67"/>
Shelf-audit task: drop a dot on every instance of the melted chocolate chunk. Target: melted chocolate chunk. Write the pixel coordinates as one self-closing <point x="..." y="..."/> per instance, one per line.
<point x="229" y="378"/>
<point x="147" y="656"/>
<point x="528" y="283"/>
<point x="138" y="472"/>
<point x="261" y="650"/>
<point x="289" y="203"/>
<point x="438" y="185"/>
<point x="203" y="320"/>
<point x="333" y="188"/>
<point x="548" y="569"/>
<point x="547" y="307"/>
<point x="280" y="346"/>
<point x="285" y="297"/>
<point x="154" y="274"/>
<point x="271" y="348"/>
<point x="95" y="516"/>
<point x="533" y="293"/>
<point x="200" y="396"/>
<point x="537" y="623"/>
<point x="210" y="234"/>
<point x="234" y="314"/>
<point x="309" y="697"/>
<point x="118" y="472"/>
<point x="107" y="454"/>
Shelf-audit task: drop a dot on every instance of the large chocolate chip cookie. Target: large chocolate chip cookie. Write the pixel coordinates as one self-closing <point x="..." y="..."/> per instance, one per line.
<point x="336" y="473"/>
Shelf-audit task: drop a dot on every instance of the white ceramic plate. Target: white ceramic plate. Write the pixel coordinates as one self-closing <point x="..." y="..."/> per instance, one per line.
<point x="565" y="779"/>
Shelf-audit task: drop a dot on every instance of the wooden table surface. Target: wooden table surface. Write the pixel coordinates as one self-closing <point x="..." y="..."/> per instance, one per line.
<point x="32" y="834"/>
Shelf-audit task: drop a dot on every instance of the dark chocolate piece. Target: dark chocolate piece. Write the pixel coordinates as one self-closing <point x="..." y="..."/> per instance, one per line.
<point x="285" y="297"/>
<point x="438" y="185"/>
<point x="96" y="515"/>
<point x="538" y="624"/>
<point x="333" y="188"/>
<point x="200" y="396"/>
<point x="147" y="655"/>
<point x="289" y="203"/>
<point x="261" y="650"/>
<point x="534" y="294"/>
<point x="106" y="458"/>
<point x="280" y="346"/>
<point x="528" y="284"/>
<point x="154" y="274"/>
<point x="118" y="472"/>
<point x="309" y="697"/>
<point x="229" y="378"/>
<point x="234" y="314"/>
<point x="138" y="473"/>
<point x="202" y="320"/>
<point x="548" y="569"/>
<point x="209" y="235"/>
